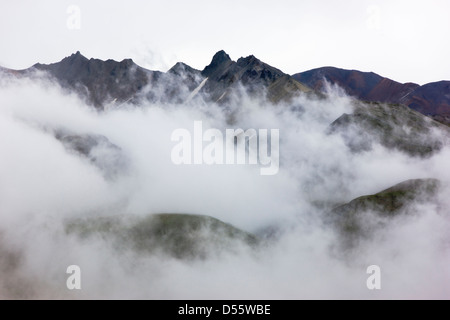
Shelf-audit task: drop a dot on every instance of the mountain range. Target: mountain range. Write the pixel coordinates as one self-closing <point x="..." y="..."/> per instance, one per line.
<point x="406" y="119"/>
<point x="108" y="83"/>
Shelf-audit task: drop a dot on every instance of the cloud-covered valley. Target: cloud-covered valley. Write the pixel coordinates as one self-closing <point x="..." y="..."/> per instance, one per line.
<point x="64" y="162"/>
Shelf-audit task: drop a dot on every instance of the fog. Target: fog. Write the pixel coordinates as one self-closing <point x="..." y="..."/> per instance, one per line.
<point x="43" y="184"/>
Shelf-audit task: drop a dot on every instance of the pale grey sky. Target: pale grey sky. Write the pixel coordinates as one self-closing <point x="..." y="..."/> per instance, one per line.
<point x="402" y="40"/>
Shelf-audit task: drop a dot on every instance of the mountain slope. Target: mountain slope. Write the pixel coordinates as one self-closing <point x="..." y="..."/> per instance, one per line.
<point x="432" y="99"/>
<point x="367" y="86"/>
<point x="391" y="201"/>
<point x="361" y="217"/>
<point x="177" y="235"/>
<point x="100" y="152"/>
<point x="393" y="126"/>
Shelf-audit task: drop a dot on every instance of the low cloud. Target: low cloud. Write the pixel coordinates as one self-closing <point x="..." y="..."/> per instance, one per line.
<point x="44" y="184"/>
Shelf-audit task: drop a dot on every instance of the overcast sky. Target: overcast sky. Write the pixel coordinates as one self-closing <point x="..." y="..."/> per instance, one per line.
<point x="402" y="40"/>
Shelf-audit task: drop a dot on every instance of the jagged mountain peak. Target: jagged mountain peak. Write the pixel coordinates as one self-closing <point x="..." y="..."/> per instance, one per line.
<point x="127" y="62"/>
<point x="248" y="60"/>
<point x="221" y="60"/>
<point x="178" y="66"/>
<point x="74" y="58"/>
<point x="257" y="69"/>
<point x="77" y="54"/>
<point x="98" y="80"/>
<point x="79" y="60"/>
<point x="181" y="68"/>
<point x="221" y="56"/>
<point x="258" y="77"/>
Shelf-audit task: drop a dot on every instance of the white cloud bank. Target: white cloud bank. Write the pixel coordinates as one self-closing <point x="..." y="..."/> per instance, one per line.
<point x="42" y="185"/>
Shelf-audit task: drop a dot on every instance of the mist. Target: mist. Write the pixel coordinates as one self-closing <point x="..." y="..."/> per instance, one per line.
<point x="44" y="184"/>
